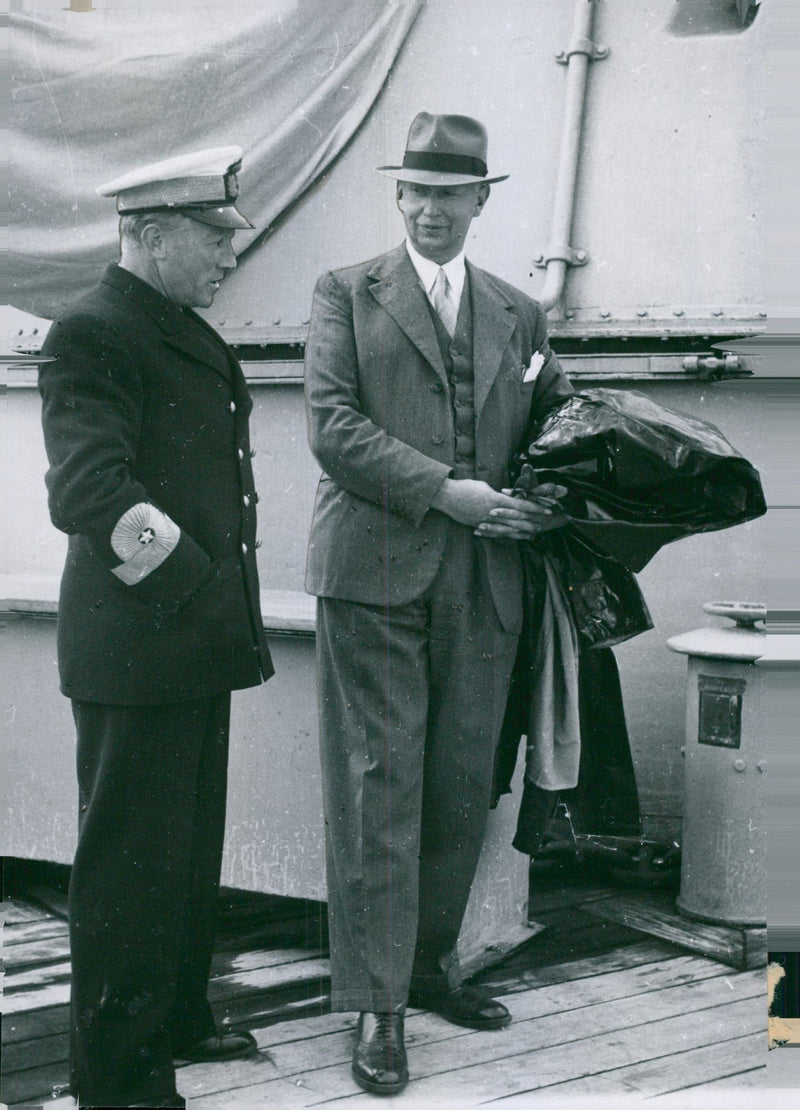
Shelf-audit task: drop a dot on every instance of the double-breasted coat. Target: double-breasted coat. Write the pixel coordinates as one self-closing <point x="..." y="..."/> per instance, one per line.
<point x="143" y="404"/>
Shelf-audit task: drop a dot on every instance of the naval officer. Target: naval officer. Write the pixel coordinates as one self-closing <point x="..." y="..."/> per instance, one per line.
<point x="145" y="415"/>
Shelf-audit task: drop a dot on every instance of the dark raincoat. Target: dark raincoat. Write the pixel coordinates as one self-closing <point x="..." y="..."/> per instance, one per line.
<point x="638" y="476"/>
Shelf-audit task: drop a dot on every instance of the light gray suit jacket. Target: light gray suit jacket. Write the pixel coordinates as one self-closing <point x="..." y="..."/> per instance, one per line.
<point x="381" y="426"/>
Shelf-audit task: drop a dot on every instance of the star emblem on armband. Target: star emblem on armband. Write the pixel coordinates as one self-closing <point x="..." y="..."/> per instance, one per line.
<point x="146" y="536"/>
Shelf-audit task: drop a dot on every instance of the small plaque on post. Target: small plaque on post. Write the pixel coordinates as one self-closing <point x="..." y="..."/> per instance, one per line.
<point x="720" y="716"/>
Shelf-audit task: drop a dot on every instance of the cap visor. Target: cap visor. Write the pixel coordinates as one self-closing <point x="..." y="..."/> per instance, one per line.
<point x="224" y="216"/>
<point x="435" y="177"/>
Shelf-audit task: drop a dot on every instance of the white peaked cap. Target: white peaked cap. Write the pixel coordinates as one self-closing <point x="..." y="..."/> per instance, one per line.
<point x="203" y="185"/>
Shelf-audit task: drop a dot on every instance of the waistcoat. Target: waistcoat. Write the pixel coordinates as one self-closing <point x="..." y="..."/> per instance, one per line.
<point x="457" y="354"/>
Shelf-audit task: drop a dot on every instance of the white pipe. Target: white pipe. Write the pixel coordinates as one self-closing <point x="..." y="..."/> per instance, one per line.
<point x="564" y="204"/>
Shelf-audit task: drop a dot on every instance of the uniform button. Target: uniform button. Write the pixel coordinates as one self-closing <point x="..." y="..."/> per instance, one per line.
<point x="233" y="406"/>
<point x="436" y="387"/>
<point x="252" y="452"/>
<point x="436" y="438"/>
<point x="246" y="500"/>
<point x="244" y="549"/>
<point x="258" y="544"/>
<point x="240" y="453"/>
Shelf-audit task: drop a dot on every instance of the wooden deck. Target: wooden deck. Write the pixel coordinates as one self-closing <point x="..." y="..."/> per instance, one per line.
<point x="598" y="1010"/>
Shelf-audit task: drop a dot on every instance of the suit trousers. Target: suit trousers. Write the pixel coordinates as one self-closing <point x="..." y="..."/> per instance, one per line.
<point x="143" y="892"/>
<point x="411" y="702"/>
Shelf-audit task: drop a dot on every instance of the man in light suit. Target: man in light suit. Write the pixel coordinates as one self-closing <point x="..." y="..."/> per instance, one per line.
<point x="422" y="374"/>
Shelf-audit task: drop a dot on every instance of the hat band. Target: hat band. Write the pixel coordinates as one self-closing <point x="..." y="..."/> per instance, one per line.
<point x="444" y="163"/>
<point x="176" y="193"/>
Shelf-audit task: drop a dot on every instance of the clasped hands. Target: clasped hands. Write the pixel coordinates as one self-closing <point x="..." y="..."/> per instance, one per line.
<point x="496" y="514"/>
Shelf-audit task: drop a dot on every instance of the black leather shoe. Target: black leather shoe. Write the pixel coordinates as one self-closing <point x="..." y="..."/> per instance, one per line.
<point x="219" y="1047"/>
<point x="462" y="1006"/>
<point x="379" y="1058"/>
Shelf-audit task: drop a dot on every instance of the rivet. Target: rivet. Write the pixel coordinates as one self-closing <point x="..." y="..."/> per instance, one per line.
<point x="569" y="314"/>
<point x="678" y="312"/>
<point x="247" y="323"/>
<point x="642" y="312"/>
<point x="537" y="258"/>
<point x="762" y="314"/>
<point x="276" y="322"/>
<point x="739" y="764"/>
<point x="605" y="314"/>
<point x="717" y="312"/>
<point x="581" y="256"/>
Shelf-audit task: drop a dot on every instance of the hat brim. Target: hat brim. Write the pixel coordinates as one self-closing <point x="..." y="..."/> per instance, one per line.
<point x="227" y="215"/>
<point x="436" y="177"/>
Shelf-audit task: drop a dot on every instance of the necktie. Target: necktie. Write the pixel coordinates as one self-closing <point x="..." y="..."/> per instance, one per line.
<point x="444" y="302"/>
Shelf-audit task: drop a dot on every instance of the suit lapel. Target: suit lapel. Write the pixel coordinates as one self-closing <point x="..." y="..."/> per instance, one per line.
<point x="493" y="321"/>
<point x="397" y="289"/>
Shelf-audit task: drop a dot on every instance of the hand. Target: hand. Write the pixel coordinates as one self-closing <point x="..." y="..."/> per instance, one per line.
<point x="469" y="501"/>
<point x="524" y="518"/>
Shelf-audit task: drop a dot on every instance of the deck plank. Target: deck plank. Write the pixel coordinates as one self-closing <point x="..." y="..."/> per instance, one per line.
<point x="36" y="952"/>
<point x="22" y="1088"/>
<point x="442" y="1054"/>
<point x="510" y="977"/>
<point x="22" y="932"/>
<point x="41" y="987"/>
<point x="226" y="964"/>
<point x="468" y="1081"/>
<point x="733" y="1063"/>
<point x="27" y="1055"/>
<point x="13" y="912"/>
<point x="31" y="1025"/>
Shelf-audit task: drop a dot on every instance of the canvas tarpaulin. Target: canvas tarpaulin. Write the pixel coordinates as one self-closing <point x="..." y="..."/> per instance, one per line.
<point x="97" y="94"/>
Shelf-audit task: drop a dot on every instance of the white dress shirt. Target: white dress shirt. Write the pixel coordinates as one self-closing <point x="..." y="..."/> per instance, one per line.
<point x="427" y="270"/>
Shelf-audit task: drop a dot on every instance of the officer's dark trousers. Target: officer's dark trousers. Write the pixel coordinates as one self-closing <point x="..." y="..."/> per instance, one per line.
<point x="143" y="893"/>
<point x="411" y="702"/>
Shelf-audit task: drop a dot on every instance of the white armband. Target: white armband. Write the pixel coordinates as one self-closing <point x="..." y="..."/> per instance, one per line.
<point x="143" y="538"/>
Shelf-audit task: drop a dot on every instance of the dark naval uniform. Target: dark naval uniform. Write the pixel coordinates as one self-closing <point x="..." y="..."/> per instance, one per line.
<point x="145" y="416"/>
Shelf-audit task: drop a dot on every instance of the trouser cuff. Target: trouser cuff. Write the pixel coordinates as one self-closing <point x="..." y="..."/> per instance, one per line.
<point x="366" y="1001"/>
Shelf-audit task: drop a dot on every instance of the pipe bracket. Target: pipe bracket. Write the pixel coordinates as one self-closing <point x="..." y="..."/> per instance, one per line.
<point x="561" y="252"/>
<point x="713" y="367"/>
<point x="585" y="46"/>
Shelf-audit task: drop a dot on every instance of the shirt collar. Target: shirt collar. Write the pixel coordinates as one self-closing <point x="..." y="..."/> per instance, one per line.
<point x="427" y="270"/>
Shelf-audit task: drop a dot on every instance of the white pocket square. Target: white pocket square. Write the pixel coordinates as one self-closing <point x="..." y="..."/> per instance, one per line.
<point x="537" y="362"/>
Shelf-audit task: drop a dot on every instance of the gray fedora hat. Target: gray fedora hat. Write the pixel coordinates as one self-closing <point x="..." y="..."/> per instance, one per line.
<point x="444" y="150"/>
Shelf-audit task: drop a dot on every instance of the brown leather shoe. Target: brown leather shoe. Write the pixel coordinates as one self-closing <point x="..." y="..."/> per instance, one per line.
<point x="219" y="1047"/>
<point x="379" y="1058"/>
<point x="462" y="1006"/>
